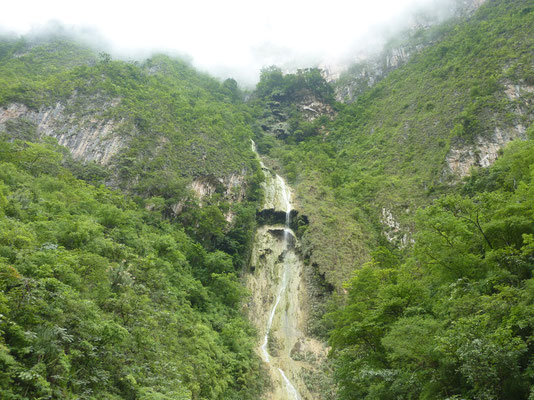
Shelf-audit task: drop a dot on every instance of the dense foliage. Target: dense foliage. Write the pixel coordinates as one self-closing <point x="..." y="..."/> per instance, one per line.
<point x="101" y="298"/>
<point x="276" y="85"/>
<point x="450" y="316"/>
<point x="455" y="320"/>
<point x="176" y="124"/>
<point x="388" y="149"/>
<point x="107" y="295"/>
<point x="135" y="294"/>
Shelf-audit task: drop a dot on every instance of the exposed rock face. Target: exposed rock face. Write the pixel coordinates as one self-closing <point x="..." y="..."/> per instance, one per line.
<point x="276" y="114"/>
<point x="236" y="187"/>
<point x="279" y="298"/>
<point x="393" y="230"/>
<point x="89" y="137"/>
<point x="274" y="195"/>
<point x="371" y="69"/>
<point x="273" y="265"/>
<point x="485" y="149"/>
<point x="366" y="74"/>
<point x="520" y="93"/>
<point x="483" y="153"/>
<point x="203" y="187"/>
<point x="233" y="189"/>
<point x="312" y="108"/>
<point x="469" y="6"/>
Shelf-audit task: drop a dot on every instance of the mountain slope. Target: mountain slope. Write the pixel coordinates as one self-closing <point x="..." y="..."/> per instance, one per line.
<point x="132" y="292"/>
<point x="411" y="137"/>
<point x="157" y="125"/>
<point x="453" y="320"/>
<point x="102" y="298"/>
<point x="437" y="301"/>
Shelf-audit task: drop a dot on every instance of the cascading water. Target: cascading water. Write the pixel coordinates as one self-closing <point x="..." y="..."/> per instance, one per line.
<point x="286" y="196"/>
<point x="278" y="197"/>
<point x="278" y="304"/>
<point x="290" y="388"/>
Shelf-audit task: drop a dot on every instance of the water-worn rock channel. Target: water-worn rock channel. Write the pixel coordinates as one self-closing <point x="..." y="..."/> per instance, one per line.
<point x="279" y="299"/>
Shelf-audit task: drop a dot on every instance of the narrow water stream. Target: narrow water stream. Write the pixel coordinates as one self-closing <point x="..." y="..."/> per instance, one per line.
<point x="286" y="196"/>
<point x="275" y="289"/>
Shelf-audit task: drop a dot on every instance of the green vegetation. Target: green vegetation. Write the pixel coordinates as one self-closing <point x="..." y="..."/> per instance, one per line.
<point x="455" y="320"/>
<point x="176" y="124"/>
<point x="449" y="316"/>
<point x="102" y="298"/>
<point x="288" y="87"/>
<point x="133" y="292"/>
<point x="388" y="148"/>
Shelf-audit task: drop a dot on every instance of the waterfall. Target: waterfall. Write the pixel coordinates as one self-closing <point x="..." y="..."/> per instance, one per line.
<point x="290" y="388"/>
<point x="286" y="197"/>
<point x="278" y="196"/>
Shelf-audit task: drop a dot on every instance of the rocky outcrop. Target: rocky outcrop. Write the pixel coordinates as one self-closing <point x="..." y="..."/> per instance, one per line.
<point x="485" y="149"/>
<point x="521" y="94"/>
<point x="276" y="278"/>
<point x="278" y="305"/>
<point x="371" y="69"/>
<point x="311" y="108"/>
<point x="88" y="135"/>
<point x="393" y="230"/>
<point x="275" y="119"/>
<point x="270" y="216"/>
<point x="232" y="187"/>
<point x="91" y="135"/>
<point x="483" y="153"/>
<point x="203" y="187"/>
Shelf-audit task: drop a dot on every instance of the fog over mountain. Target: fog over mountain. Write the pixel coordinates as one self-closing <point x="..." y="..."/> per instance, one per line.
<point x="232" y="38"/>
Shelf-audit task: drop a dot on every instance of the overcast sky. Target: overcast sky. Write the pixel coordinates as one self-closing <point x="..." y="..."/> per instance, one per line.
<point x="227" y="37"/>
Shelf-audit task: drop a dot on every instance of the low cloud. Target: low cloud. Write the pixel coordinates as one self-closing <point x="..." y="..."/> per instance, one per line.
<point x="229" y="39"/>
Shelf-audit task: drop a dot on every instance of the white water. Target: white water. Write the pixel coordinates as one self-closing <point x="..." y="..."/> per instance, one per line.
<point x="283" y="190"/>
<point x="289" y="386"/>
<point x="271" y="317"/>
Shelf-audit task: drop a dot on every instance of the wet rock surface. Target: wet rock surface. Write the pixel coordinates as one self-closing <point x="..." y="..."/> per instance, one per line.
<point x="278" y="306"/>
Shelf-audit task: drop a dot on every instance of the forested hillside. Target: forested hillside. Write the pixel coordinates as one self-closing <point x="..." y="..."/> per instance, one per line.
<point x="365" y="167"/>
<point x="157" y="124"/>
<point x="133" y="294"/>
<point x="130" y="196"/>
<point x="454" y="319"/>
<point x="102" y="298"/>
<point x="439" y="301"/>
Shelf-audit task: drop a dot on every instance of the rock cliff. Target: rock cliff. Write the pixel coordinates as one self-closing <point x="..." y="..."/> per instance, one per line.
<point x="485" y="148"/>
<point x="89" y="135"/>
